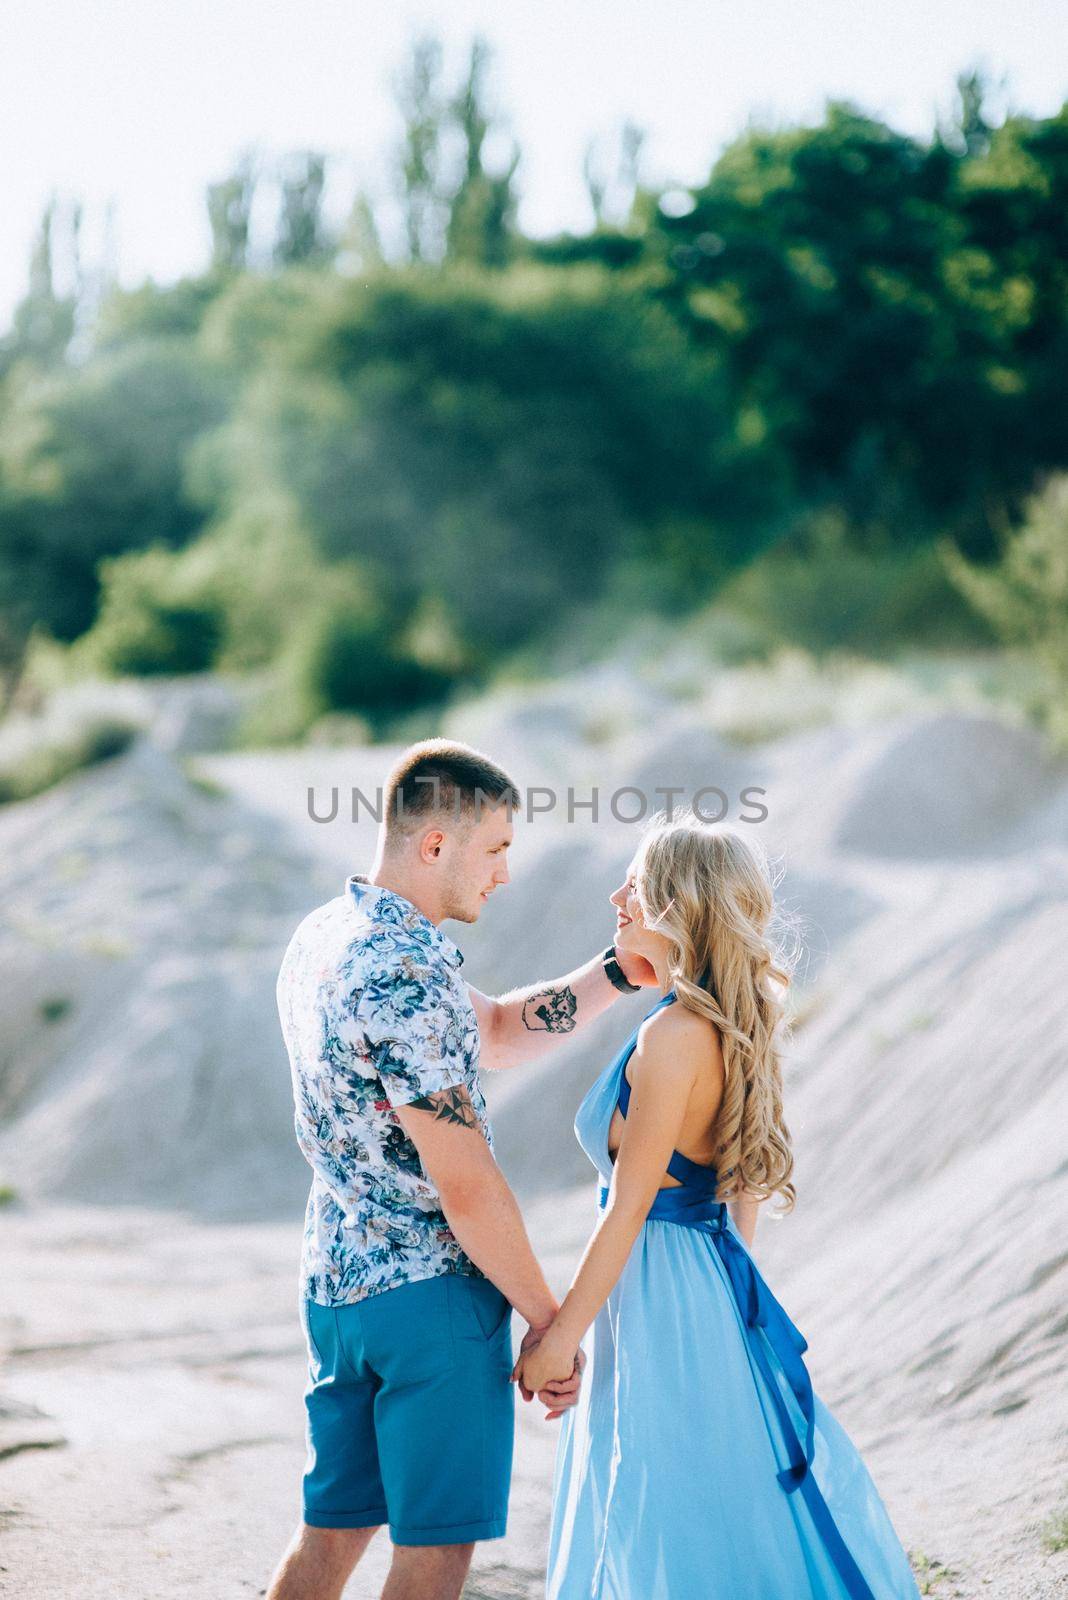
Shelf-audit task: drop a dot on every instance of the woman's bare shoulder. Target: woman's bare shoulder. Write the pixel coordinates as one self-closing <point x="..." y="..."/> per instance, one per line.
<point x="680" y="1035"/>
<point x="681" y="1025"/>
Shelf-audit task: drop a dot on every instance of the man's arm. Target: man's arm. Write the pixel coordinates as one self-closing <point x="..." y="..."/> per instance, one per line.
<point x="479" y="1206"/>
<point x="420" y="1068"/>
<point x="525" y="1023"/>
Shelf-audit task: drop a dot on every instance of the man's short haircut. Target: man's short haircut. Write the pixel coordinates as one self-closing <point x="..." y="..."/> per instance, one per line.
<point x="442" y="778"/>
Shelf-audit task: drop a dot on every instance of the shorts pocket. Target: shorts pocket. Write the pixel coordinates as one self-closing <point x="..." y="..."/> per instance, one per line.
<point x="315" y="1357"/>
<point x="480" y="1310"/>
<point x="408" y="1331"/>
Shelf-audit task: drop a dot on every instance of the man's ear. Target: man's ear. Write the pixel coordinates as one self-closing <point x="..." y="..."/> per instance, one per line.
<point x="430" y="845"/>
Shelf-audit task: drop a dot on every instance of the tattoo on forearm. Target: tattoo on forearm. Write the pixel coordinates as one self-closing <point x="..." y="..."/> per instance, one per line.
<point x="550" y="1011"/>
<point x="448" y="1105"/>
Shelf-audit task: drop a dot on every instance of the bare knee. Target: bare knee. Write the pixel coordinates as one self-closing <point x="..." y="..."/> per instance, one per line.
<point x="339" y="1539"/>
<point x="428" y="1572"/>
<point x="318" y="1562"/>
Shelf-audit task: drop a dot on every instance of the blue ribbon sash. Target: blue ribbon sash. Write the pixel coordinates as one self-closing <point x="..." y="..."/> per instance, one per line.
<point x="760" y="1310"/>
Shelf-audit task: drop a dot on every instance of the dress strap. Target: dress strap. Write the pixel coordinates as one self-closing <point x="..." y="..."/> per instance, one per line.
<point x="631" y="1045"/>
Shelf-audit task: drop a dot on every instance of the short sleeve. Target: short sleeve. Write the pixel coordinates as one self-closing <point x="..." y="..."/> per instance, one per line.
<point x="405" y="1020"/>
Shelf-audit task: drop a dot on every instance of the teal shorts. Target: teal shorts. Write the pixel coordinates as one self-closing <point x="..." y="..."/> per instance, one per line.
<point x="411" y="1414"/>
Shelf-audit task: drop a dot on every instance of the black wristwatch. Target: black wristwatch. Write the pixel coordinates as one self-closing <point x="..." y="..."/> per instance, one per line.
<point x="615" y="974"/>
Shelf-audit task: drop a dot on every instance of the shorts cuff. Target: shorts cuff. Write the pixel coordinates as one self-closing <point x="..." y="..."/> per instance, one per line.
<point x="459" y="1533"/>
<point x="345" y="1519"/>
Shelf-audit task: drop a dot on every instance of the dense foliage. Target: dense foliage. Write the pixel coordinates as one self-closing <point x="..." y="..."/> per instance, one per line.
<point x="372" y="474"/>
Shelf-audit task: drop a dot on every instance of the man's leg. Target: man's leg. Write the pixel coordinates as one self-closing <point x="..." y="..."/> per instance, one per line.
<point x="428" y="1572"/>
<point x="344" y="1502"/>
<point x="318" y="1563"/>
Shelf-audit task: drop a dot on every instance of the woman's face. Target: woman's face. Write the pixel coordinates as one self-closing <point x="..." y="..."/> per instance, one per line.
<point x="631" y="930"/>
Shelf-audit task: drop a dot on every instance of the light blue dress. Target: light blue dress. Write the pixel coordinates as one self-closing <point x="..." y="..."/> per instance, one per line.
<point x="699" y="1464"/>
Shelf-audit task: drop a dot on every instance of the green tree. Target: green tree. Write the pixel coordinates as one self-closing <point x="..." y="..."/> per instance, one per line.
<point x="1013" y="285"/>
<point x="419" y="159"/>
<point x="879" y="303"/>
<point x="44" y="320"/>
<point x="360" y="248"/>
<point x="482" y="206"/>
<point x="970" y="128"/>
<point x="154" y="311"/>
<point x="92" y="463"/>
<point x="145" y="625"/>
<point x="302" y="236"/>
<point x="1024" y="595"/>
<point x="504" y="443"/>
<point x="229" y="213"/>
<point x="612" y="176"/>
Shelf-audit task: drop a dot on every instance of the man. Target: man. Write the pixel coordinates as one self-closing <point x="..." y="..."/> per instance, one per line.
<point x="414" y="1247"/>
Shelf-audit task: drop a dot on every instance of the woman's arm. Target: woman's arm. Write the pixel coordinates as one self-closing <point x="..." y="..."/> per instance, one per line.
<point x="663" y="1070"/>
<point x="744" y="1210"/>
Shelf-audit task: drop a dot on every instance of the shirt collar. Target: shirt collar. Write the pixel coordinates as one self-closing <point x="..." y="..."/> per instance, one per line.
<point x="371" y="897"/>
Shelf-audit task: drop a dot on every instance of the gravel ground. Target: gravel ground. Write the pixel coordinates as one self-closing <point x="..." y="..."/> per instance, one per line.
<point x="152" y="1442"/>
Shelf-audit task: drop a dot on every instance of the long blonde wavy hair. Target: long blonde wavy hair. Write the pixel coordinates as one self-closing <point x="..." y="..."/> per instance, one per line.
<point x="711" y="892"/>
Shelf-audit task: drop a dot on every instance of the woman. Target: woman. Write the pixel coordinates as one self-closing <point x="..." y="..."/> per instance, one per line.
<point x="698" y="1464"/>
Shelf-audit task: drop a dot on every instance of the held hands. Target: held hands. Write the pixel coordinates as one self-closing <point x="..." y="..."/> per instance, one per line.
<point x="550" y="1369"/>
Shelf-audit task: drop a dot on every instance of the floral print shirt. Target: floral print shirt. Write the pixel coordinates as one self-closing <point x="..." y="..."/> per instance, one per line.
<point x="375" y="1014"/>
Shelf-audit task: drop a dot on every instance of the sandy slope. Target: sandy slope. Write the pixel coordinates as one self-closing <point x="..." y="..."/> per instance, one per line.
<point x="140" y="1065"/>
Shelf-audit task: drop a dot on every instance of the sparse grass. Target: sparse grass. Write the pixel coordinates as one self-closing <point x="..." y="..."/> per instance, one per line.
<point x="788" y="689"/>
<point x="201" y="782"/>
<point x="72" y="866"/>
<point x="1024" y="598"/>
<point x="110" y="946"/>
<point x="8" y="1195"/>
<point x="340" y="730"/>
<point x="40" y="766"/>
<point x="916" y="1023"/>
<point x="54" y="1008"/>
<point x="1054" y="1532"/>
<point x="930" y="1572"/>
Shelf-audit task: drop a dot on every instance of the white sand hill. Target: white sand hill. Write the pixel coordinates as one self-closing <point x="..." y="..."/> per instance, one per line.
<point x="150" y="1430"/>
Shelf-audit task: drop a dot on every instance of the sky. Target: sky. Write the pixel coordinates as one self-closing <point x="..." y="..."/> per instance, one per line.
<point x="138" y="105"/>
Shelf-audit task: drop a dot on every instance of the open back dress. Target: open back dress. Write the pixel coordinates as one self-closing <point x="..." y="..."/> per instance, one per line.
<point x="698" y="1463"/>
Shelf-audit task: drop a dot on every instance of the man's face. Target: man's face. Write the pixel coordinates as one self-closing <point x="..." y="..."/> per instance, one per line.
<point x="477" y="863"/>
